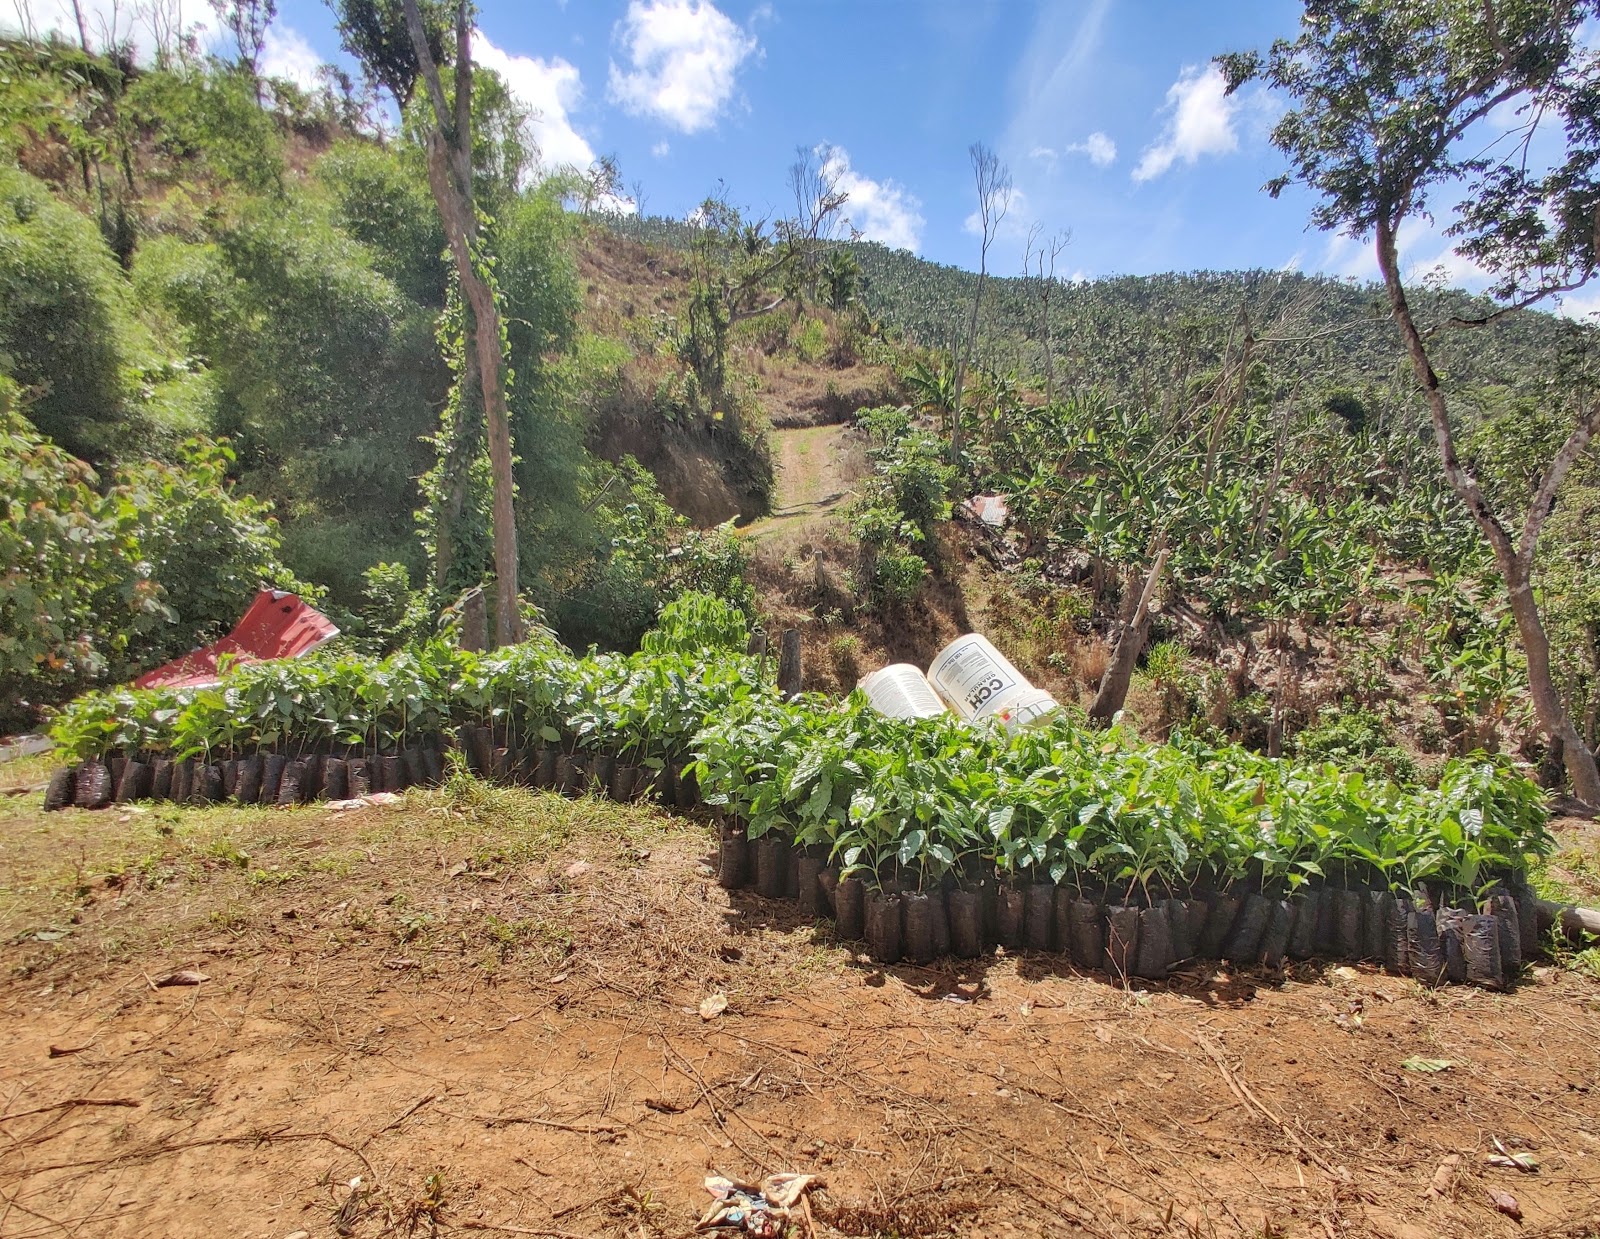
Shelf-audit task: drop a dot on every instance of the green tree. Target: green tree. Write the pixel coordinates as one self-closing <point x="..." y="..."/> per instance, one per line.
<point x="66" y="326"/>
<point x="371" y="33"/>
<point x="72" y="595"/>
<point x="374" y="32"/>
<point x="247" y="21"/>
<point x="380" y="198"/>
<point x="1392" y="114"/>
<point x="325" y="377"/>
<point x="96" y="586"/>
<point x="204" y="545"/>
<point x="746" y="268"/>
<point x="205" y="122"/>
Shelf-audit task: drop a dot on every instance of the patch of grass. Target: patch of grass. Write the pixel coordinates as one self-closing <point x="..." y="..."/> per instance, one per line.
<point x="1571" y="875"/>
<point x="126" y="883"/>
<point x="1547" y="885"/>
<point x="28" y="771"/>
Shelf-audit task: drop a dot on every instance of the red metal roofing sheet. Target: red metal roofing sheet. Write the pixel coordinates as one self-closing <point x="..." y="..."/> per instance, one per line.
<point x="277" y="625"/>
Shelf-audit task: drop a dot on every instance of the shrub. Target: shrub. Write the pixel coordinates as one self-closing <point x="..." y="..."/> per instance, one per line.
<point x="65" y="324"/>
<point x="844" y="651"/>
<point x="392" y="614"/>
<point x="208" y="546"/>
<point x="898" y="576"/>
<point x="811" y="341"/>
<point x="1358" y="740"/>
<point x="712" y="561"/>
<point x="94" y="587"/>
<point x="74" y="589"/>
<point x="697" y="624"/>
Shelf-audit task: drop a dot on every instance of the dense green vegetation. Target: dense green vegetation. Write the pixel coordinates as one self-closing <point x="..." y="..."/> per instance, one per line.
<point x="111" y="564"/>
<point x="896" y="803"/>
<point x="902" y="802"/>
<point x="231" y="322"/>
<point x="1146" y="340"/>
<point x="243" y="307"/>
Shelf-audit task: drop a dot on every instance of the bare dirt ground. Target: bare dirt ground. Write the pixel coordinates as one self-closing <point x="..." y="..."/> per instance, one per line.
<point x="816" y="469"/>
<point x="477" y="1011"/>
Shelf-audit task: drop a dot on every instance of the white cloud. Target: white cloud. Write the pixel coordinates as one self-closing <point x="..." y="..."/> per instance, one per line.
<point x="684" y="58"/>
<point x="661" y="149"/>
<point x="1338" y="254"/>
<point x="1102" y="151"/>
<point x="551" y="89"/>
<point x="287" y="54"/>
<point x="1200" y="122"/>
<point x="882" y="211"/>
<point x="44" y="16"/>
<point x="1453" y="269"/>
<point x="1580" y="306"/>
<point x="1295" y="259"/>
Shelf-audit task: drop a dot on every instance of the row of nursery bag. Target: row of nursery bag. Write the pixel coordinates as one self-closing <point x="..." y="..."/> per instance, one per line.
<point x="275" y="779"/>
<point x="645" y="707"/>
<point x="901" y="803"/>
<point x="1132" y="934"/>
<point x="914" y="804"/>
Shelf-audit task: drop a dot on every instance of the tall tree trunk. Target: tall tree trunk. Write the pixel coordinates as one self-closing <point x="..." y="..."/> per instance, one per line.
<point x="1514" y="559"/>
<point x="483" y="338"/>
<point x="450" y="178"/>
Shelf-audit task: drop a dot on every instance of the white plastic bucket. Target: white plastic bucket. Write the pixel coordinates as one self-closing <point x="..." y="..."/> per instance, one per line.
<point x="901" y="691"/>
<point x="1028" y="709"/>
<point x="979" y="682"/>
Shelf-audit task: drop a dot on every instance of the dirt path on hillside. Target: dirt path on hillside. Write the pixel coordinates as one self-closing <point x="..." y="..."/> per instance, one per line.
<point x="447" y="1018"/>
<point x="816" y="469"/>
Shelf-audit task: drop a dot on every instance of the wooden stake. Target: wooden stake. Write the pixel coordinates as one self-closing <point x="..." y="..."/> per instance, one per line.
<point x="790" y="675"/>
<point x="474" y="620"/>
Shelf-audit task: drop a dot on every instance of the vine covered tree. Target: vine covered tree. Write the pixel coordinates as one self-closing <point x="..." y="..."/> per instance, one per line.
<point x="1399" y="114"/>
<point x="367" y="27"/>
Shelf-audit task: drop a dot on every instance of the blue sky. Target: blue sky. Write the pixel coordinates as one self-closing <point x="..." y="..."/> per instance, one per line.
<point x="1107" y="113"/>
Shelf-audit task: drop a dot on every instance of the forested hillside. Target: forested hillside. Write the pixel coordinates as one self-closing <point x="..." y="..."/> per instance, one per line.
<point x="229" y="339"/>
<point x="1131" y="337"/>
<point x="234" y="352"/>
<point x="1263" y="434"/>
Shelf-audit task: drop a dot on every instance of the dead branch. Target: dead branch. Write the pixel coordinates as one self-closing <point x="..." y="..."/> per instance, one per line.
<point x="67" y="1104"/>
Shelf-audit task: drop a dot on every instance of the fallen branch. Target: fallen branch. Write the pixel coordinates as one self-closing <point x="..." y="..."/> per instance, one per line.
<point x="161" y="1150"/>
<point x="1575" y="922"/>
<point x="410" y="1110"/>
<point x="71" y="1101"/>
<point x="1241" y="1090"/>
<point x="584" y="1129"/>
